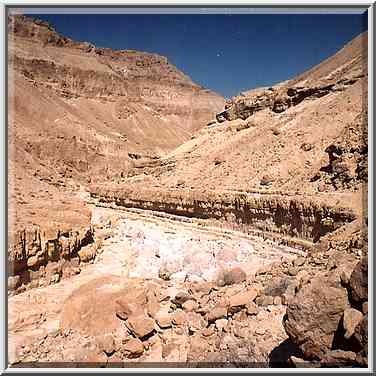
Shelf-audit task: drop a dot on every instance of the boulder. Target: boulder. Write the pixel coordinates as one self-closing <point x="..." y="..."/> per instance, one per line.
<point x="313" y="316"/>
<point x="233" y="276"/>
<point x="124" y="309"/>
<point x="361" y="335"/>
<point x="189" y="306"/>
<point x="251" y="308"/>
<point x="198" y="348"/>
<point x="179" y="318"/>
<point x="195" y="321"/>
<point x="216" y="313"/>
<point x="351" y="319"/>
<point x="91" y="308"/>
<point x="164" y="320"/>
<point x="242" y="299"/>
<point x="134" y="347"/>
<point x="180" y="298"/>
<point x="265" y="300"/>
<point x="207" y="332"/>
<point x="141" y="325"/>
<point x="339" y="358"/>
<point x="299" y="261"/>
<point x="358" y="285"/>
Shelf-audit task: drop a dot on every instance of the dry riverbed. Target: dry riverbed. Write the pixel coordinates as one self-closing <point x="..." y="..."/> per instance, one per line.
<point x="141" y="246"/>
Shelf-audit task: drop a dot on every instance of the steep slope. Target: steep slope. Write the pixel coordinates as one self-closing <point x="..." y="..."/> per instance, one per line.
<point x="284" y="137"/>
<point x="78" y="113"/>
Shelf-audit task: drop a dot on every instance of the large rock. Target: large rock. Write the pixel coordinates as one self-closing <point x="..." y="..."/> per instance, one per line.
<point x="358" y="285"/>
<point x="180" y="298"/>
<point x="216" y="313"/>
<point x="313" y="316"/>
<point x="125" y="309"/>
<point x="233" y="276"/>
<point x="164" y="320"/>
<point x="141" y="326"/>
<point x="91" y="308"/>
<point x="361" y="335"/>
<point x="242" y="299"/>
<point x="351" y="319"/>
<point x="134" y="348"/>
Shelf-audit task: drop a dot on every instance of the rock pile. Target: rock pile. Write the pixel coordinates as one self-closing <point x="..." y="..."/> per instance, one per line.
<point x="155" y="320"/>
<point x="327" y="317"/>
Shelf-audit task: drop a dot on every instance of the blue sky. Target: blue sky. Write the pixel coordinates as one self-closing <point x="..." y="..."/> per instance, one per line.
<point x="225" y="53"/>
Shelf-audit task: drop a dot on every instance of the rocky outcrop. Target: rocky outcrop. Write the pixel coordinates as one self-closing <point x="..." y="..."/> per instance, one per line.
<point x="333" y="75"/>
<point x="38" y="257"/>
<point x="348" y="158"/>
<point x="288" y="216"/>
<point x="279" y="99"/>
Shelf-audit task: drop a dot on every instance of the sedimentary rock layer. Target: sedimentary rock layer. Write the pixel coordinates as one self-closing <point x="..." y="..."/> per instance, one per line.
<point x="291" y="216"/>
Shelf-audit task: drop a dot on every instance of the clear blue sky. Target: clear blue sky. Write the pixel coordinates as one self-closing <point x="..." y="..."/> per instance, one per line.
<point x="225" y="53"/>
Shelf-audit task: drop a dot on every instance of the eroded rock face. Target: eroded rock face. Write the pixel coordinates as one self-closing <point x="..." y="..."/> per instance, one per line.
<point x="141" y="326"/>
<point x="38" y="257"/>
<point x="129" y="84"/>
<point x="348" y="157"/>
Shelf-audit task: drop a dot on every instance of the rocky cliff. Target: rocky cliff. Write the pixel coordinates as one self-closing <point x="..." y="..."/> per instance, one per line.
<point x="78" y="113"/>
<point x="287" y="218"/>
<point x="85" y="106"/>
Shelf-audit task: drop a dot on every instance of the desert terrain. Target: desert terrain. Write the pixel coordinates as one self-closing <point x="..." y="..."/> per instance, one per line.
<point x="152" y="223"/>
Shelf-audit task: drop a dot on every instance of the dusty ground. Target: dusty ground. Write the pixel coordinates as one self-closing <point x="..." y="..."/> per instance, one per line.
<point x="137" y="249"/>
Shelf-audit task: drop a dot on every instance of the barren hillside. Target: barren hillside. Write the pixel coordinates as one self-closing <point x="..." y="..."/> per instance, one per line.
<point x="78" y="113"/>
<point x="307" y="134"/>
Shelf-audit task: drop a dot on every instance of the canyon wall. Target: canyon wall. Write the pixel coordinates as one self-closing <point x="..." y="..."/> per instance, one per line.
<point x="38" y="257"/>
<point x="291" y="217"/>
